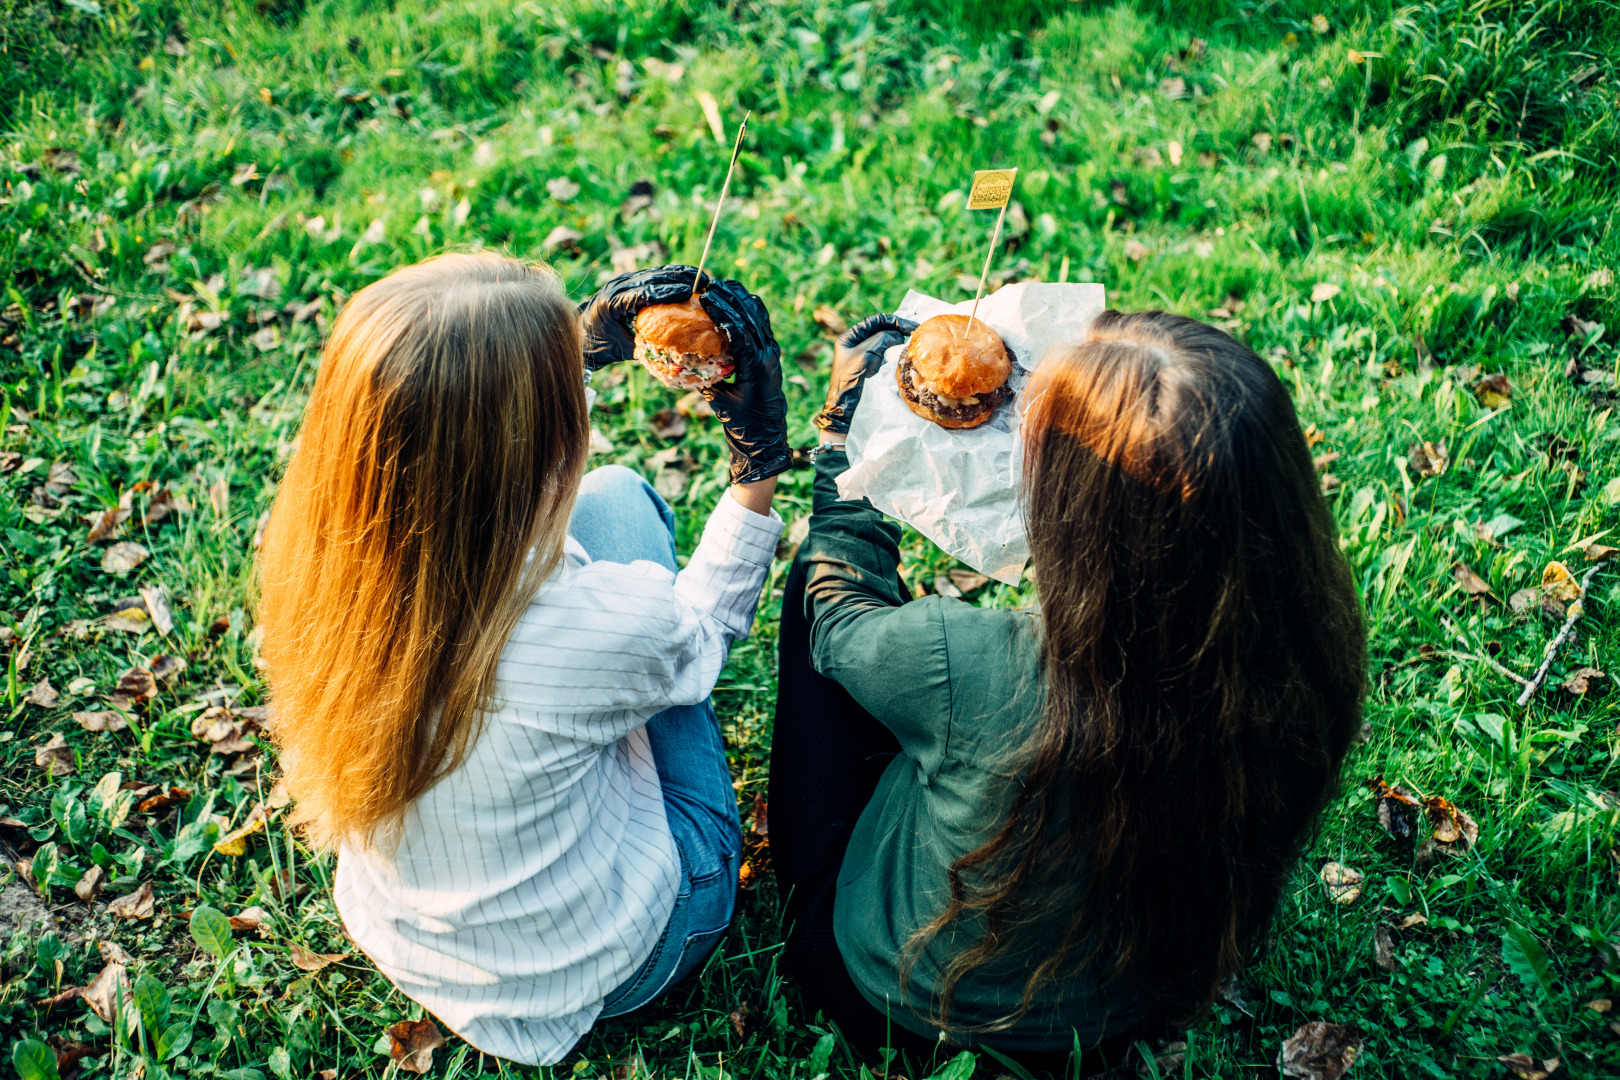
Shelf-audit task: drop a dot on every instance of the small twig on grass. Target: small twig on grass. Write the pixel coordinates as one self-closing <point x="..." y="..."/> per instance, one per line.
<point x="1457" y="633"/>
<point x="1576" y="609"/>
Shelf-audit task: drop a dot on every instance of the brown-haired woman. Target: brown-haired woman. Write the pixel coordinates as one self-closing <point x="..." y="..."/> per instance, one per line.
<point x="1044" y="830"/>
<point x="490" y="686"/>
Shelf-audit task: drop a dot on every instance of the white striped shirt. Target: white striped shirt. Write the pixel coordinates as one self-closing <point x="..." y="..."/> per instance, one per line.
<point x="537" y="877"/>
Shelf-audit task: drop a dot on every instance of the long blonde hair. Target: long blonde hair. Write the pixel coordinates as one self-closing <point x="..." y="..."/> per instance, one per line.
<point x="427" y="501"/>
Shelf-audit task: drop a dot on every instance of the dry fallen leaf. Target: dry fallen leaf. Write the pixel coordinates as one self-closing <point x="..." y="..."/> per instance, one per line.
<point x="413" y="1043"/>
<point x="1384" y="948"/>
<point x="250" y="918"/>
<point x="1322" y="291"/>
<point x="123" y="557"/>
<point x="137" y="905"/>
<point x="1343" y="884"/>
<point x="68" y="1052"/>
<point x="105" y="720"/>
<point x="1427" y="458"/>
<point x="104" y="526"/>
<point x="1472" y="583"/>
<point x="1597" y="552"/>
<point x="90" y="883"/>
<point x="235" y="842"/>
<point x="104" y="993"/>
<point x="219" y="496"/>
<point x="668" y="424"/>
<point x="165" y="668"/>
<point x="134" y="686"/>
<point x="132" y="620"/>
<point x="1581" y="680"/>
<point x="1600" y="1005"/>
<point x="157" y="606"/>
<point x="42" y="694"/>
<point x="163" y="801"/>
<point x="1319" y="1051"/>
<point x="1417" y="918"/>
<point x="1454" y="832"/>
<point x="828" y="318"/>
<point x="56" y="756"/>
<point x="1494" y="391"/>
<point x="112" y="953"/>
<point x="307" y="960"/>
<point x="694" y="406"/>
<point x="968" y="581"/>
<point x="1398" y="810"/>
<point x="1526" y="1067"/>
<point x="1558" y="583"/>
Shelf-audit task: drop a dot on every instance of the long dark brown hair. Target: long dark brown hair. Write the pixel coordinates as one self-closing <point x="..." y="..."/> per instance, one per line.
<point x="1204" y="662"/>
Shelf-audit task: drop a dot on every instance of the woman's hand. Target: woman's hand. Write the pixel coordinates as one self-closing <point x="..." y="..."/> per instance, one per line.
<point x="859" y="353"/>
<point x="609" y="318"/>
<point x="750" y="406"/>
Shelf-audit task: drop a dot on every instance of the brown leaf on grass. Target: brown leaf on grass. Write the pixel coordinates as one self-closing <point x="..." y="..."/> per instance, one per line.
<point x="1398" y="810"/>
<point x="157" y="606"/>
<point x="103" y="720"/>
<point x="105" y="991"/>
<point x="235" y="842"/>
<point x="326" y="1074"/>
<point x="1384" y="948"/>
<point x="828" y="318"/>
<point x="1417" y="918"/>
<point x="1600" y="1005"/>
<point x="1526" y="1067"/>
<point x="224" y="730"/>
<point x="308" y="960"/>
<point x="104" y="526"/>
<point x="61" y="997"/>
<point x="112" y="953"/>
<point x="90" y="883"/>
<point x="1427" y="458"/>
<point x="1581" y="680"/>
<point x="1597" y="552"/>
<point x="56" y="756"/>
<point x="128" y="620"/>
<point x="694" y="406"/>
<point x="1523" y="600"/>
<point x="1322" y="291"/>
<point x="136" y="905"/>
<point x="161" y="504"/>
<point x="744" y="1020"/>
<point x="1494" y="391"/>
<point x="1558" y="583"/>
<point x="42" y="694"/>
<point x="1454" y="832"/>
<point x="1471" y="583"/>
<point x="413" y="1043"/>
<point x="123" y="557"/>
<point x="68" y="1052"/>
<point x="1343" y="884"/>
<point x="165" y="668"/>
<point x="134" y="686"/>
<point x="1319" y="1051"/>
<point x="250" y="918"/>
<point x="62" y="160"/>
<point x="163" y="801"/>
<point x="668" y="424"/>
<point x="967" y="580"/>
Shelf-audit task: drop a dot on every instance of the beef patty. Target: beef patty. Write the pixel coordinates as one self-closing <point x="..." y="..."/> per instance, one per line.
<point x="939" y="407"/>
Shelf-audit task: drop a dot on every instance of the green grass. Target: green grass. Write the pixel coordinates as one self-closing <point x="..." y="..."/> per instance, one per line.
<point x="1451" y="168"/>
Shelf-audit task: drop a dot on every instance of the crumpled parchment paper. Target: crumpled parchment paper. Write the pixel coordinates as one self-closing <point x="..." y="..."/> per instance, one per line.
<point x="959" y="487"/>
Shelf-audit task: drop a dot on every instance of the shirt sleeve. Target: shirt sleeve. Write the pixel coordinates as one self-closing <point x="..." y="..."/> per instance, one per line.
<point x="889" y="654"/>
<point x="606" y="645"/>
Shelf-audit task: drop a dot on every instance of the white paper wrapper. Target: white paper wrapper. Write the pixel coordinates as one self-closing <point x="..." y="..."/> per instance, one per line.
<point x="958" y="487"/>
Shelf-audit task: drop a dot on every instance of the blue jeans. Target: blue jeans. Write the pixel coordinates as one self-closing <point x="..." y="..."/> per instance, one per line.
<point x="618" y="517"/>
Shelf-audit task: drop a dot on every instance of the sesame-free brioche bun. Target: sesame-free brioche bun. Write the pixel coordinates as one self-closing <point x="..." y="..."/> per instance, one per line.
<point x="681" y="345"/>
<point x="954" y="374"/>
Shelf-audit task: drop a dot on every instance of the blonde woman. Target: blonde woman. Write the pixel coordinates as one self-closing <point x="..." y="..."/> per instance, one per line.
<point x="490" y="685"/>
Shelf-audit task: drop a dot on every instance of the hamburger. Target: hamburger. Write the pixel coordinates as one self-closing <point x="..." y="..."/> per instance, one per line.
<point x="682" y="346"/>
<point x="953" y="373"/>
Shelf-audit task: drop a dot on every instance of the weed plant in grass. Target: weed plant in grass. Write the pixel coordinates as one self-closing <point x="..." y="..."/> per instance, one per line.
<point x="1393" y="204"/>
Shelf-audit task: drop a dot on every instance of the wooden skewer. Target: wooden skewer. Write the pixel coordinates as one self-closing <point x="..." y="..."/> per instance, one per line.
<point x="725" y="187"/>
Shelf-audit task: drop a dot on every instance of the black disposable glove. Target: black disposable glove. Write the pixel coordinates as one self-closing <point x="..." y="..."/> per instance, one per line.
<point x="750" y="406"/>
<point x="859" y="353"/>
<point x="608" y="319"/>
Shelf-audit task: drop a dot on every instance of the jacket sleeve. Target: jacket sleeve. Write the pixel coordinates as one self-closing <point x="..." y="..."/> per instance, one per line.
<point x="889" y="654"/>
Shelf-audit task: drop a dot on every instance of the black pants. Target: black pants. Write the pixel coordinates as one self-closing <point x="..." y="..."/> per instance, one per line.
<point x="827" y="755"/>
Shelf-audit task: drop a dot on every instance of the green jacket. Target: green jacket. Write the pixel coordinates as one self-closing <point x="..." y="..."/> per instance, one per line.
<point x="961" y="688"/>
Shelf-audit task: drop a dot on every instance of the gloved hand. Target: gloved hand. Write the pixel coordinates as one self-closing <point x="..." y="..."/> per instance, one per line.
<point x="609" y="318"/>
<point x="750" y="406"/>
<point x="859" y="353"/>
